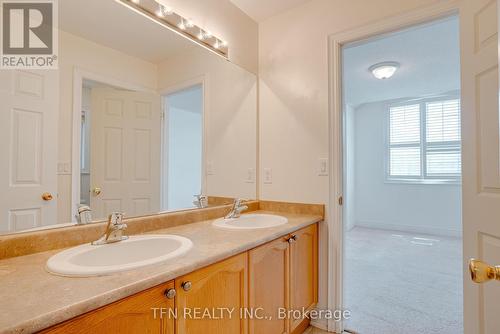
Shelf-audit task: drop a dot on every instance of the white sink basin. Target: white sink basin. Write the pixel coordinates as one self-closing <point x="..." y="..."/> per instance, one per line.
<point x="138" y="251"/>
<point x="251" y="222"/>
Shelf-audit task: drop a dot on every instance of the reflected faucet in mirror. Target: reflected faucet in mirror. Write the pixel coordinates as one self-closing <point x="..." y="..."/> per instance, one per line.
<point x="236" y="209"/>
<point x="84" y="215"/>
<point x="200" y="201"/>
<point x="114" y="230"/>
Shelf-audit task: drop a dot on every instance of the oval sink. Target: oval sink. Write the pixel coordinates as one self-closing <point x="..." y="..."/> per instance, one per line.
<point x="251" y="222"/>
<point x="135" y="252"/>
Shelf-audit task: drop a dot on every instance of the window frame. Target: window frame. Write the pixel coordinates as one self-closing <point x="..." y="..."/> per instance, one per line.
<point x="423" y="178"/>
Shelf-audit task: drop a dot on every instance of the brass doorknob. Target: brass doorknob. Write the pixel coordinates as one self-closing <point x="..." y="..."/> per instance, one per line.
<point x="47" y="196"/>
<point x="97" y="191"/>
<point x="482" y="272"/>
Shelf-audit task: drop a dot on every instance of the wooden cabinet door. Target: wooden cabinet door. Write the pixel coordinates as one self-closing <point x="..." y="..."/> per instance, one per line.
<point x="303" y="273"/>
<point x="269" y="289"/>
<point x="132" y="315"/>
<point x="223" y="285"/>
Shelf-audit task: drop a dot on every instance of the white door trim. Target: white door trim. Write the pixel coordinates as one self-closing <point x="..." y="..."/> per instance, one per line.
<point x="79" y="75"/>
<point x="202" y="80"/>
<point x="334" y="210"/>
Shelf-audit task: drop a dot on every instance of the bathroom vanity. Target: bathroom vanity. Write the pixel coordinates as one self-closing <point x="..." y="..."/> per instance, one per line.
<point x="278" y="274"/>
<point x="147" y="118"/>
<point x="261" y="270"/>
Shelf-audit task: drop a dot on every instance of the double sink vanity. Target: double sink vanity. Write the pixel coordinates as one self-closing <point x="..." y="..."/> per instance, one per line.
<point x="143" y="117"/>
<point x="220" y="275"/>
<point x="134" y="252"/>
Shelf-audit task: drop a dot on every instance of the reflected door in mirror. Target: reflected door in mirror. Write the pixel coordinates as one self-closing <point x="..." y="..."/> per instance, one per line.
<point x="124" y="152"/>
<point x="28" y="142"/>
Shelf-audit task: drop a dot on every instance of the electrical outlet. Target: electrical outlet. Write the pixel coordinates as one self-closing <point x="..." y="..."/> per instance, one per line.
<point x="268" y="176"/>
<point x="323" y="167"/>
<point x="250" y="175"/>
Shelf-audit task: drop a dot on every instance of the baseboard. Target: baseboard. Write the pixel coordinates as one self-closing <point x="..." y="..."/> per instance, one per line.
<point x="410" y="229"/>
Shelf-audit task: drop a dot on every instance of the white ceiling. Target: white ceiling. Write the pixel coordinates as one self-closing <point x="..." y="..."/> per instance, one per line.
<point x="430" y="64"/>
<point x="111" y="24"/>
<point x="260" y="10"/>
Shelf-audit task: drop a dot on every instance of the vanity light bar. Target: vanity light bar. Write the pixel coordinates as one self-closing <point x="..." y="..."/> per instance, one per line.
<point x="166" y="17"/>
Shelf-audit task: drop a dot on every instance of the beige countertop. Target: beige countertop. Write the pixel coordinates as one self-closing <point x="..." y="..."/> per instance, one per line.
<point x="32" y="299"/>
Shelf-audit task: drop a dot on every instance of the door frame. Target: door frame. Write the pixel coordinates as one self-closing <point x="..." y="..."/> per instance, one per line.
<point x="79" y="75"/>
<point x="336" y="133"/>
<point x="204" y="82"/>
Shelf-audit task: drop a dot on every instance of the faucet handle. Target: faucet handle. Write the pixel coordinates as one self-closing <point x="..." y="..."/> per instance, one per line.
<point x="116" y="218"/>
<point x="238" y="201"/>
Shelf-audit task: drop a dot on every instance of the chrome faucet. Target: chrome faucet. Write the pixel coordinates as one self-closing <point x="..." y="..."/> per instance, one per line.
<point x="236" y="210"/>
<point x="84" y="215"/>
<point x="114" y="230"/>
<point x="200" y="201"/>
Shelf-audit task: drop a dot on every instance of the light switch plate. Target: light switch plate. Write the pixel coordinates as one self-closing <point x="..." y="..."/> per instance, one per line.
<point x="250" y="175"/>
<point x="268" y="176"/>
<point x="210" y="168"/>
<point x="323" y="167"/>
<point x="64" y="168"/>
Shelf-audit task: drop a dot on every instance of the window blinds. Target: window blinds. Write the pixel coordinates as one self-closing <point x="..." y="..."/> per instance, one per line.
<point x="443" y="138"/>
<point x="405" y="141"/>
<point x="424" y="140"/>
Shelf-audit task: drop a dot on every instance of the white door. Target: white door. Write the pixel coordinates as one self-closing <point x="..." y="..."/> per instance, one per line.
<point x="125" y="152"/>
<point x="481" y="160"/>
<point x="28" y="144"/>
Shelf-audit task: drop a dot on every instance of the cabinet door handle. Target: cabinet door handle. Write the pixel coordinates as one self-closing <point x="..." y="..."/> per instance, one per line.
<point x="186" y="286"/>
<point x="170" y="293"/>
<point x="292" y="239"/>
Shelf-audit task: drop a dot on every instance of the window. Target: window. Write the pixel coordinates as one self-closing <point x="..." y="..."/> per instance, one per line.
<point x="424" y="141"/>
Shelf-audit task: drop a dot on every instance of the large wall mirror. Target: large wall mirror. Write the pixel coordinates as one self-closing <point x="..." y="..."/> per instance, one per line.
<point x="136" y="119"/>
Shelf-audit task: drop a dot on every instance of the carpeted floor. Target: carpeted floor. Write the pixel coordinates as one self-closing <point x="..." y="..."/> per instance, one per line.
<point x="402" y="283"/>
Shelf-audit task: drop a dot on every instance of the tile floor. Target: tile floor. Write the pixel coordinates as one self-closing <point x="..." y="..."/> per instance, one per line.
<point x="314" y="330"/>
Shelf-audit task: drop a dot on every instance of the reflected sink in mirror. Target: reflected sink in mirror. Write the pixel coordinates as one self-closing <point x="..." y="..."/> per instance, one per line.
<point x="251" y="222"/>
<point x="136" y="252"/>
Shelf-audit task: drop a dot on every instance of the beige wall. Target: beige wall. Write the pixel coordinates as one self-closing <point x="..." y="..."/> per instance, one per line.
<point x="230" y="118"/>
<point x="76" y="52"/>
<point x="293" y="89"/>
<point x="225" y="21"/>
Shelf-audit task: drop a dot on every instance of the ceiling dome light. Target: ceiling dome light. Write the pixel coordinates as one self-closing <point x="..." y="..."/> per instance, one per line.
<point x="384" y="70"/>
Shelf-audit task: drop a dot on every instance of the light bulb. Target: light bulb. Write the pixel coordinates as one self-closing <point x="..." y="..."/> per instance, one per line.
<point x="167" y="10"/>
<point x="135" y="1"/>
<point x="189" y="23"/>
<point x="208" y="34"/>
<point x="181" y="25"/>
<point x="164" y="11"/>
<point x="223" y="43"/>
<point x="201" y="35"/>
<point x="217" y="44"/>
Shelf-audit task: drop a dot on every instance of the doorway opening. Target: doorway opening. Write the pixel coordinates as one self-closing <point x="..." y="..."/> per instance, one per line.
<point x="182" y="147"/>
<point x="402" y="181"/>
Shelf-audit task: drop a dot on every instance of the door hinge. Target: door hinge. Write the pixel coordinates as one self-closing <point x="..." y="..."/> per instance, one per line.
<point x="341" y="200"/>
